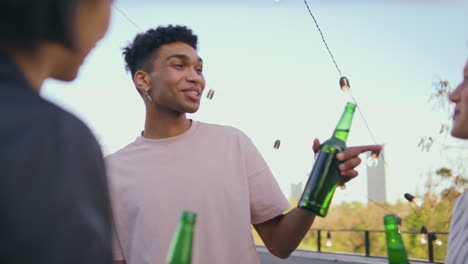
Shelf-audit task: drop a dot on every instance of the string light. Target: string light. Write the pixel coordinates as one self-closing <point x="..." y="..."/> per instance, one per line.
<point x="442" y="88"/>
<point x="373" y="159"/>
<point x="210" y="94"/>
<point x="423" y="235"/>
<point x="342" y="79"/>
<point x="329" y="242"/>
<point x="439" y="97"/>
<point x="426" y="143"/>
<point x="412" y="199"/>
<point x="436" y="240"/>
<point x="277" y="144"/>
<point x="398" y="220"/>
<point x="344" y="84"/>
<point x="444" y="128"/>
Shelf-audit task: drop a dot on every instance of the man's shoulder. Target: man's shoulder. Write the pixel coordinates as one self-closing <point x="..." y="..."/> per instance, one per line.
<point x="125" y="152"/>
<point x="218" y="129"/>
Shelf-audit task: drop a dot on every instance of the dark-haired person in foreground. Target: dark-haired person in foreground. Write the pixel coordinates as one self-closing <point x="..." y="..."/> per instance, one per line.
<point x="181" y="164"/>
<point x="54" y="200"/>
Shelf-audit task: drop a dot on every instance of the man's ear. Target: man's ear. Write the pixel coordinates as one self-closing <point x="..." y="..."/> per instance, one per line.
<point x="142" y="81"/>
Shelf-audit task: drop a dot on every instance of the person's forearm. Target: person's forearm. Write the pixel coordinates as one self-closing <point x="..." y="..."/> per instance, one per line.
<point x="290" y="230"/>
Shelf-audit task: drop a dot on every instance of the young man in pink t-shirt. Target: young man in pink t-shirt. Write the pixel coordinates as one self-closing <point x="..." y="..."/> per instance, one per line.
<point x="180" y="164"/>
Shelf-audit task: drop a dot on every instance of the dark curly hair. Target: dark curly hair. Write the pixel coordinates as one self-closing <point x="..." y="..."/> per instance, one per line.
<point x="139" y="53"/>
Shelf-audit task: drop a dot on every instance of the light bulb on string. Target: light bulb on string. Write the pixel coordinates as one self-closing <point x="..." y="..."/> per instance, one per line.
<point x="329" y="242"/>
<point x="412" y="199"/>
<point x="373" y="159"/>
<point x="210" y="94"/>
<point x="398" y="220"/>
<point x="436" y="240"/>
<point x="444" y="128"/>
<point x="277" y="144"/>
<point x="426" y="143"/>
<point x="441" y="91"/>
<point x="344" y="84"/>
<point x="423" y="235"/>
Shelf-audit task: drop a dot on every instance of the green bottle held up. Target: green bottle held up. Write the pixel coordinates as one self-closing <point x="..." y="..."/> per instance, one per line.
<point x="325" y="175"/>
<point x="180" y="251"/>
<point x="395" y="247"/>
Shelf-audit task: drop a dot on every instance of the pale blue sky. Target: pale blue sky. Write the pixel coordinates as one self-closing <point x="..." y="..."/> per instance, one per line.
<point x="273" y="77"/>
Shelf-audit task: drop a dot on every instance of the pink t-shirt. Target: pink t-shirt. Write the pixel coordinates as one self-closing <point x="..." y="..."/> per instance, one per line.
<point x="212" y="170"/>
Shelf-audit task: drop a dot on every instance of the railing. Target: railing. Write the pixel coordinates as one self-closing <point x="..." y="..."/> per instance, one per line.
<point x="431" y="237"/>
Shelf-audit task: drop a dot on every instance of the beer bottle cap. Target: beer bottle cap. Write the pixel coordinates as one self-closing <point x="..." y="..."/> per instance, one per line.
<point x="189" y="216"/>
<point x="390" y="218"/>
<point x="350" y="106"/>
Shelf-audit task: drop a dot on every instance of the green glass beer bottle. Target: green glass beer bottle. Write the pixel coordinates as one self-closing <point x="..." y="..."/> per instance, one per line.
<point x="395" y="247"/>
<point x="325" y="175"/>
<point x="180" y="251"/>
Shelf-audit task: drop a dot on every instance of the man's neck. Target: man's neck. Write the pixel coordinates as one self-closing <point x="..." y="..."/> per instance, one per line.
<point x="158" y="126"/>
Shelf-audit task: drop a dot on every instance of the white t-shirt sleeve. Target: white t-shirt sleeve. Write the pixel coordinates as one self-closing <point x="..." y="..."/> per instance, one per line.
<point x="116" y="246"/>
<point x="266" y="198"/>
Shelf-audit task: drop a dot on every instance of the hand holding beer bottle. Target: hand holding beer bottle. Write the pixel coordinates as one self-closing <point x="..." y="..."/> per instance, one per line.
<point x="282" y="234"/>
<point x="333" y="161"/>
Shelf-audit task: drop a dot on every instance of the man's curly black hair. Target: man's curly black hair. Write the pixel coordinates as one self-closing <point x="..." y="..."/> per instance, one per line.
<point x="140" y="52"/>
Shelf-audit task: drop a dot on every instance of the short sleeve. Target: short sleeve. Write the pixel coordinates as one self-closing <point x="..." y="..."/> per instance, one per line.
<point x="266" y="198"/>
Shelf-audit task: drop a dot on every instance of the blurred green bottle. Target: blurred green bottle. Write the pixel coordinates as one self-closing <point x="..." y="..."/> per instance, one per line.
<point x="180" y="251"/>
<point x="395" y="247"/>
<point x="325" y="175"/>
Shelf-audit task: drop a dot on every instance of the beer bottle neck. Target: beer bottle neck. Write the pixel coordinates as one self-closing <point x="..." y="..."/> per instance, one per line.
<point x="343" y="126"/>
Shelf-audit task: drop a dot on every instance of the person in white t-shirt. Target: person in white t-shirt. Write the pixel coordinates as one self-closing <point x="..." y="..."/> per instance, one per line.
<point x="457" y="252"/>
<point x="180" y="164"/>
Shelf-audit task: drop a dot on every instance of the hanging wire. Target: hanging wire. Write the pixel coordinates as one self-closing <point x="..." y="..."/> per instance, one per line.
<point x="365" y="122"/>
<point x="381" y="206"/>
<point x="352" y="97"/>
<point x="323" y="38"/>
<point x="341" y="75"/>
<point x="418" y="216"/>
<point x="126" y="17"/>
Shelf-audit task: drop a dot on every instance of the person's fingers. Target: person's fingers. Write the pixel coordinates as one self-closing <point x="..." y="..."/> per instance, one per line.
<point x="316" y="145"/>
<point x="349" y="164"/>
<point x="349" y="175"/>
<point x="352" y="152"/>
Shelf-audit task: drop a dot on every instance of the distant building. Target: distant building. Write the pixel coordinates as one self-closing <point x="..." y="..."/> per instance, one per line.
<point x="376" y="186"/>
<point x="296" y="190"/>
